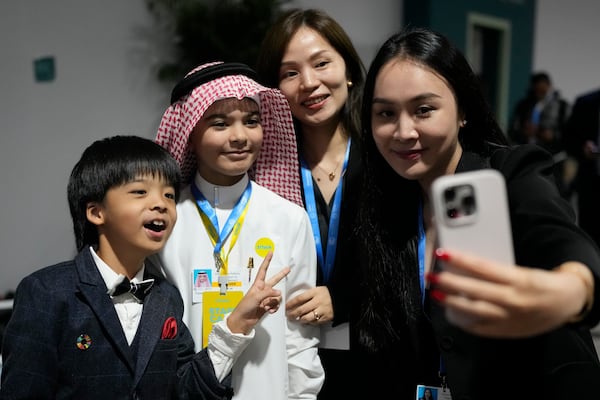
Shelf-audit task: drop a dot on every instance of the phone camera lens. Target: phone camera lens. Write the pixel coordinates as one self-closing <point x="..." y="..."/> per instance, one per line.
<point x="468" y="203"/>
<point x="452" y="213"/>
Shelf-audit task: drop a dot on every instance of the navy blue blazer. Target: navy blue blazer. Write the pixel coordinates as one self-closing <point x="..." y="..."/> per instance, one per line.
<point x="44" y="357"/>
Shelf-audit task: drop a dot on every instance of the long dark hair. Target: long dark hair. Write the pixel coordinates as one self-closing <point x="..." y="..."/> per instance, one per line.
<point x="278" y="37"/>
<point x="388" y="217"/>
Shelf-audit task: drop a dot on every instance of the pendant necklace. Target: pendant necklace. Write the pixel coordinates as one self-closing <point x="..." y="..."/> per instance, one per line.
<point x="330" y="175"/>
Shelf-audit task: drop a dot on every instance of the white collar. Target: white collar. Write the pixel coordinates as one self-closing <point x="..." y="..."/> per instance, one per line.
<point x="109" y="276"/>
<point x="222" y="197"/>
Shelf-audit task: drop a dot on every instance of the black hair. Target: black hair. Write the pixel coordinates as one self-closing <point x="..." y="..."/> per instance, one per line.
<point x="435" y="52"/>
<point x="388" y="217"/>
<point x="540" y="77"/>
<point x="108" y="163"/>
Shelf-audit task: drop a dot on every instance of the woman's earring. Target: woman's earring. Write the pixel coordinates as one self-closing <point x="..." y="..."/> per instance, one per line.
<point x="463" y="123"/>
<point x="350" y="84"/>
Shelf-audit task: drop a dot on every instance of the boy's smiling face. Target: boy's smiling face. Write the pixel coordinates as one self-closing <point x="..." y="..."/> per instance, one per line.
<point x="227" y="140"/>
<point x="135" y="219"/>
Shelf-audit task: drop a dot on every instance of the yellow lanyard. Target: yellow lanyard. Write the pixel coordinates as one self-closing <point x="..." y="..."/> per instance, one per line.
<point x="214" y="237"/>
<point x="232" y="226"/>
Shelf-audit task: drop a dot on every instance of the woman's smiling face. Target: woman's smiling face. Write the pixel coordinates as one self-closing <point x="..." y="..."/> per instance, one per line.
<point x="312" y="76"/>
<point x="415" y="121"/>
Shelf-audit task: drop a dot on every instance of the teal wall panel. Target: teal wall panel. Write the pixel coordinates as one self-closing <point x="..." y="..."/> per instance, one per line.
<point x="450" y="19"/>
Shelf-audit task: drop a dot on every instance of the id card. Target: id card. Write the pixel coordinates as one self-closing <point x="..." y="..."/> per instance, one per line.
<point x="432" y="393"/>
<point x="214" y="308"/>
<point x="201" y="282"/>
<point x="233" y="279"/>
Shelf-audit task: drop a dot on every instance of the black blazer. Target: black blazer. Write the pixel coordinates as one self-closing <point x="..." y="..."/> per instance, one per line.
<point x="55" y="306"/>
<point x="561" y="364"/>
<point x="583" y="125"/>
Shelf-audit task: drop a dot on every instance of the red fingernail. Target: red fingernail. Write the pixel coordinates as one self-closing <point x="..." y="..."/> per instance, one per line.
<point x="442" y="254"/>
<point x="432" y="277"/>
<point x="438" y="295"/>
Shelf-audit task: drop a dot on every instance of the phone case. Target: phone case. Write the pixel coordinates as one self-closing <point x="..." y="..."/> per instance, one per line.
<point x="470" y="211"/>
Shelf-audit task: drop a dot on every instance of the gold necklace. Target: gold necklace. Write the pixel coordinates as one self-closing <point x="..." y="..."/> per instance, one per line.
<point x="330" y="175"/>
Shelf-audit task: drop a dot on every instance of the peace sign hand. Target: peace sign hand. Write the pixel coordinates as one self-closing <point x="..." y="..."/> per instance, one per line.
<point x="260" y="299"/>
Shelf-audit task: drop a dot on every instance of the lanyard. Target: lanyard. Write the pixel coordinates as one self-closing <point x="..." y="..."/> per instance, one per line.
<point x="334" y="218"/>
<point x="232" y="225"/>
<point x="421" y="250"/>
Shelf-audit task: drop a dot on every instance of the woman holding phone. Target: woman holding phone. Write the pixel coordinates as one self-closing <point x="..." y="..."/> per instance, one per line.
<point x="445" y="317"/>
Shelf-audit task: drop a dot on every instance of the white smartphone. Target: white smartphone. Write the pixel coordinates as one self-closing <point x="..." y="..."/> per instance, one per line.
<point x="470" y="211"/>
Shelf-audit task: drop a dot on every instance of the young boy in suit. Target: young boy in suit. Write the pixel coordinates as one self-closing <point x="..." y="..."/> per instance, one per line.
<point x="107" y="325"/>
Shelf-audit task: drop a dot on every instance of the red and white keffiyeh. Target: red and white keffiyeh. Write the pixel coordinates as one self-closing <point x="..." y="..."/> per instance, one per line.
<point x="276" y="167"/>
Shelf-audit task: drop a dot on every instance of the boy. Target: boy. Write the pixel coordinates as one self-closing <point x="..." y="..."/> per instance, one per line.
<point x="220" y="127"/>
<point x="79" y="329"/>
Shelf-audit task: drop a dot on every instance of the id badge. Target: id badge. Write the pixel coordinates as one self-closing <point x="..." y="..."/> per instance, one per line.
<point x="432" y="393"/>
<point x="233" y="280"/>
<point x="201" y="282"/>
<point x="214" y="308"/>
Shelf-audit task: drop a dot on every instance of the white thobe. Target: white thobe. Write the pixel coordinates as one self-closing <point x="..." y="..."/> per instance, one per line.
<point x="280" y="362"/>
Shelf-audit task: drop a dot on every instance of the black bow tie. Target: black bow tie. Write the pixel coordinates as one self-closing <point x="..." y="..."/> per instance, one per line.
<point x="138" y="289"/>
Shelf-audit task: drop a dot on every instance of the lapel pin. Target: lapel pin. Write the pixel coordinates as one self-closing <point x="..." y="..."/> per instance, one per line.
<point x="84" y="342"/>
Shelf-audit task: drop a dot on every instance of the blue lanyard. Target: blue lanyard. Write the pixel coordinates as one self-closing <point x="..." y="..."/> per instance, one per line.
<point x="334" y="218"/>
<point x="210" y="212"/>
<point x="421" y="250"/>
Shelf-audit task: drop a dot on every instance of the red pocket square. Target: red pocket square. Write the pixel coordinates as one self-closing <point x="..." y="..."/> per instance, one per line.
<point x="169" y="330"/>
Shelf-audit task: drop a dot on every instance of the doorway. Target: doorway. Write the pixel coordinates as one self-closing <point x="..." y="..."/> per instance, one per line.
<point x="488" y="51"/>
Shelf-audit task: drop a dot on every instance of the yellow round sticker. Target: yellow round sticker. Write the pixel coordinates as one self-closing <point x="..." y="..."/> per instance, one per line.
<point x="263" y="246"/>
